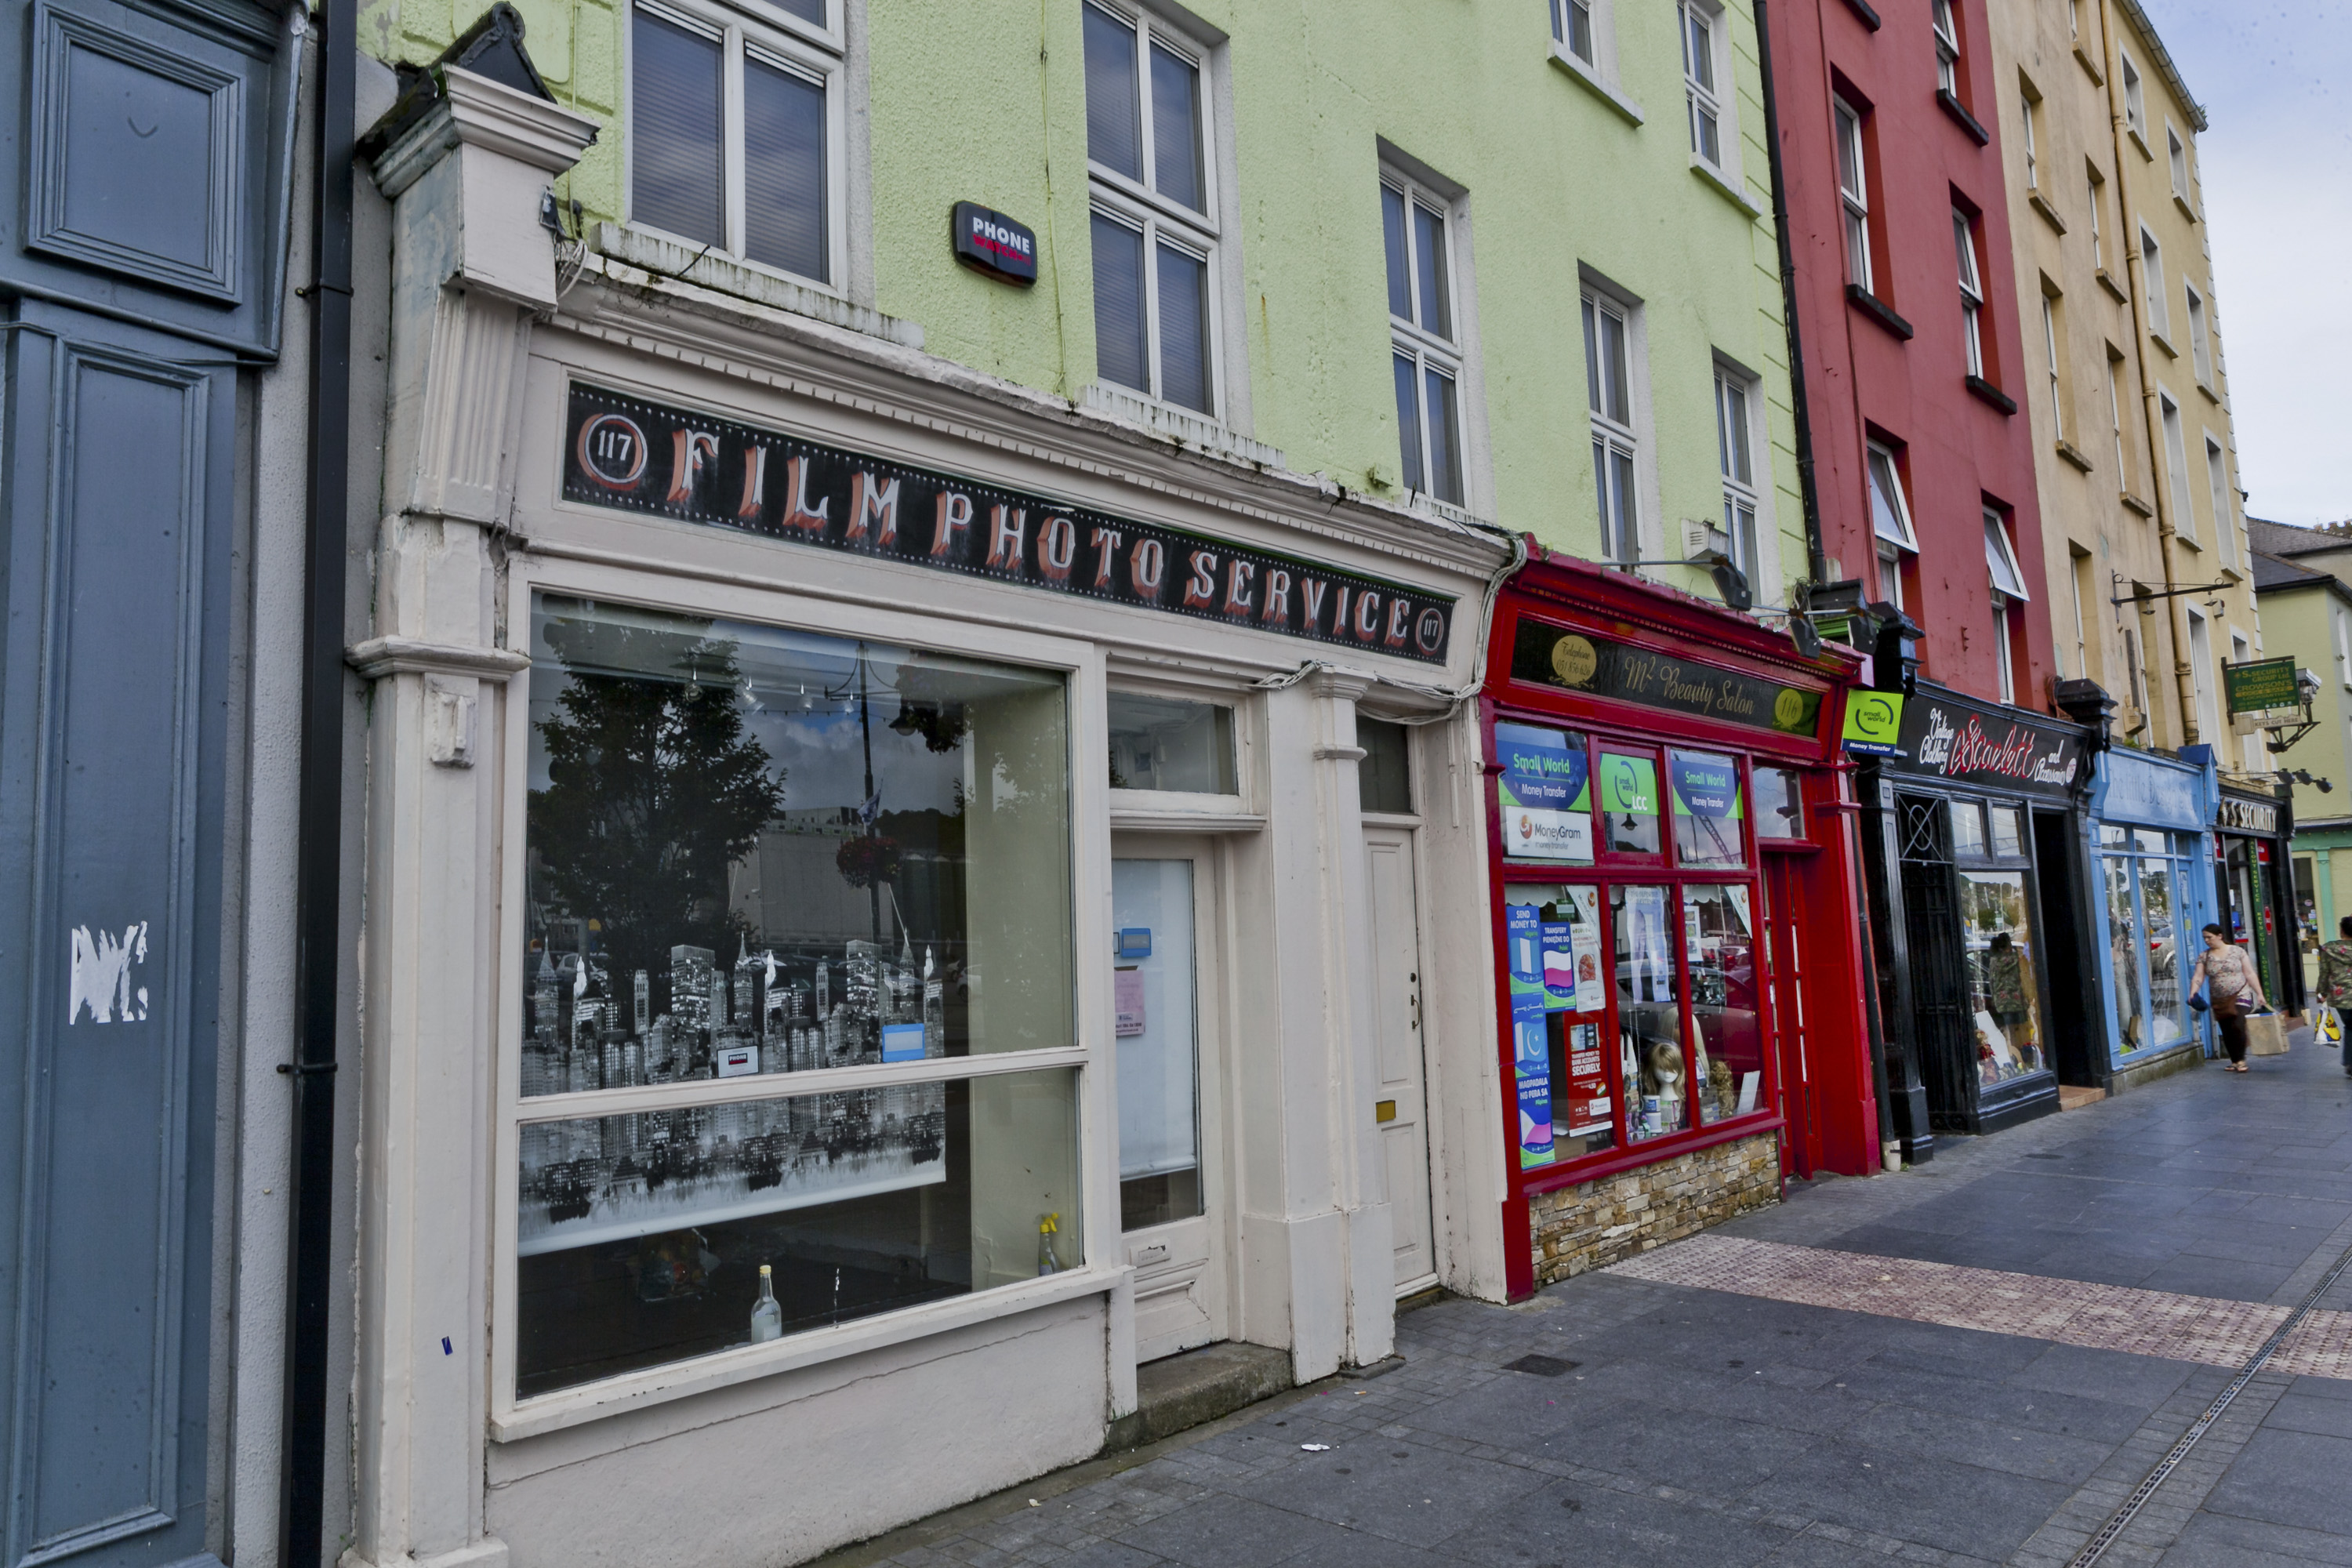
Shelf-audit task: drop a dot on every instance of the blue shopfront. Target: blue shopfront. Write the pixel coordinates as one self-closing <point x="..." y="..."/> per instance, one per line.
<point x="2151" y="886"/>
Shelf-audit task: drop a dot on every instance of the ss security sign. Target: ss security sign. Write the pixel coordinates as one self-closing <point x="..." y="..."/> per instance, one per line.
<point x="989" y="242"/>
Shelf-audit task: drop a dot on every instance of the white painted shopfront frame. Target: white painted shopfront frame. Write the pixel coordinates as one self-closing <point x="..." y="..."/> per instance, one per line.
<point x="673" y="585"/>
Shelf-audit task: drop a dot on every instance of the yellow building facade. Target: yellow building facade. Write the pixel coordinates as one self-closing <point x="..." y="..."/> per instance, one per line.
<point x="2137" y="466"/>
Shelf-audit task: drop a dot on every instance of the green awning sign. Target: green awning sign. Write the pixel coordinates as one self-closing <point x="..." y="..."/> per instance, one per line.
<point x="2262" y="686"/>
<point x="1873" y="723"/>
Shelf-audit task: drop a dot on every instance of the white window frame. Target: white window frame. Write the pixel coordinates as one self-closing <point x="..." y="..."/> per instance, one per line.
<point x="2135" y="100"/>
<point x="2203" y="677"/>
<point x="1947" y="29"/>
<point x="1742" y="495"/>
<point x="1427" y="348"/>
<point x="2074" y="561"/>
<point x="2027" y="103"/>
<point x="1565" y="15"/>
<point x="1611" y="438"/>
<point x="2009" y="588"/>
<point x="1854" y="191"/>
<point x="2098" y="243"/>
<point x="2116" y="414"/>
<point x="2249" y="747"/>
<point x="2342" y="647"/>
<point x="2176" y="458"/>
<point x="1137" y="206"/>
<point x="694" y="591"/>
<point x="2057" y="386"/>
<point x="2152" y="262"/>
<point x="1972" y="299"/>
<point x="2176" y="152"/>
<point x="1705" y="104"/>
<point x="1890" y="574"/>
<point x="2004" y="656"/>
<point x="2201" y="348"/>
<point x="787" y="42"/>
<point x="2217" y="480"/>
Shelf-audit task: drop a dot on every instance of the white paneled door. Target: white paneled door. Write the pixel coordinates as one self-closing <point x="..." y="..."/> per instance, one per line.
<point x="1401" y="1103"/>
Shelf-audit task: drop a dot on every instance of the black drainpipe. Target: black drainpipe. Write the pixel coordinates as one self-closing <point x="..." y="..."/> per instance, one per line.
<point x="1816" y="552"/>
<point x="318" y="877"/>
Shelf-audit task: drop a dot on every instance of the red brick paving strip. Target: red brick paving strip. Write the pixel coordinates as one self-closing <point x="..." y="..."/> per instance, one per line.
<point x="2207" y="1329"/>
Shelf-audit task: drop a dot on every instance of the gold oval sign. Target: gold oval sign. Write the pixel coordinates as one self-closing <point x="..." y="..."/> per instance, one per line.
<point x="1574" y="660"/>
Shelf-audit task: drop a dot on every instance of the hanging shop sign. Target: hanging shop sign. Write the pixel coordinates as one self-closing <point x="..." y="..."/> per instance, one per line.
<point x="1555" y="655"/>
<point x="2262" y="686"/>
<point x="1945" y="735"/>
<point x="989" y="242"/>
<point x="2239" y="815"/>
<point x="664" y="462"/>
<point x="1873" y="723"/>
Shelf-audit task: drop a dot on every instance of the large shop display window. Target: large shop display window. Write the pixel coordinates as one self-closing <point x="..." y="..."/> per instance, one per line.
<point x="767" y="856"/>
<point x="2144" y="881"/>
<point x="1990" y="850"/>
<point x="1636" y="980"/>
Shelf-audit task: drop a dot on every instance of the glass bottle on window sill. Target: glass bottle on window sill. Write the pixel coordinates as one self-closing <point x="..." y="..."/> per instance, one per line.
<point x="1047" y="1263"/>
<point x="767" y="1317"/>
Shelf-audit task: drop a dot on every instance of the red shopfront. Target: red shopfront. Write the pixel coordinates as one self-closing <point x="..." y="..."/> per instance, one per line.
<point x="1675" y="913"/>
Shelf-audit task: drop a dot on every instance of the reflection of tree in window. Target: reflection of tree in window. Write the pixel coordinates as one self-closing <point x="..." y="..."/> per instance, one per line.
<point x="653" y="790"/>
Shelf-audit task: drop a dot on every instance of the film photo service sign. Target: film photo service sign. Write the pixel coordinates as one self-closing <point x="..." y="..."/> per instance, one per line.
<point x="625" y="453"/>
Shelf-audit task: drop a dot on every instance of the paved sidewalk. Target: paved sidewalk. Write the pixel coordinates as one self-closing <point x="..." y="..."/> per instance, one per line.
<point x="1617" y="1419"/>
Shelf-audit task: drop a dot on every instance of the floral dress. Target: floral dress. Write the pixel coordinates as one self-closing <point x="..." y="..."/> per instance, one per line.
<point x="2336" y="972"/>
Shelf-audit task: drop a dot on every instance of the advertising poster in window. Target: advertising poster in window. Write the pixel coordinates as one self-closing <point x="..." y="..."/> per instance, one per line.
<point x="1584" y="940"/>
<point x="1544" y="795"/>
<point x="1530" y="1046"/>
<point x="1707" y="808"/>
<point x="1558" y="966"/>
<point x="1629" y="786"/>
<point x="1586" y="1103"/>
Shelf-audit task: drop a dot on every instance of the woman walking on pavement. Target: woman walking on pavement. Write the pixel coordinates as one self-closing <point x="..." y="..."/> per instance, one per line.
<point x="2227" y="975"/>
<point x="2335" y="987"/>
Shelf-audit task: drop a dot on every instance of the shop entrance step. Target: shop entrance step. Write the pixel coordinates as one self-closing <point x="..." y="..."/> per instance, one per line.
<point x="1183" y="1391"/>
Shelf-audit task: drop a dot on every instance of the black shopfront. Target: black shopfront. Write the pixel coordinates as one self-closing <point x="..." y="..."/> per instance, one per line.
<point x="2252" y="872"/>
<point x="1972" y="839"/>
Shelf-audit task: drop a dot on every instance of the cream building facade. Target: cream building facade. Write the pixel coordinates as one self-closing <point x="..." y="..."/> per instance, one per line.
<point x="2129" y="395"/>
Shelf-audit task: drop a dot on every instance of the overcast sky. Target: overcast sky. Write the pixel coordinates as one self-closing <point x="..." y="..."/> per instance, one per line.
<point x="2277" y="176"/>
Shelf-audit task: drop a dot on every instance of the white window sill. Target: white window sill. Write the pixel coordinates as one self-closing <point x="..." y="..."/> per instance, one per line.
<point x="1134" y="816"/>
<point x="2156" y="335"/>
<point x="1587" y="78"/>
<point x="1736" y="195"/>
<point x="664" y="258"/>
<point x="1194" y="429"/>
<point x="2186" y="210"/>
<point x="2139" y="141"/>
<point x="2211" y="397"/>
<point x="616" y="1396"/>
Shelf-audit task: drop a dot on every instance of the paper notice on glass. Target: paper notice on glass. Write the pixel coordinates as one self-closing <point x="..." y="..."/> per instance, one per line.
<point x="1653" y="979"/>
<point x="1127" y="996"/>
<point x="1584" y="946"/>
<point x="1559" y="967"/>
<point x="1740" y="902"/>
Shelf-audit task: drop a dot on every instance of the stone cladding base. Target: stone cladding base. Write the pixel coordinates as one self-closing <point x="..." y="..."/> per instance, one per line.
<point x="1595" y="1224"/>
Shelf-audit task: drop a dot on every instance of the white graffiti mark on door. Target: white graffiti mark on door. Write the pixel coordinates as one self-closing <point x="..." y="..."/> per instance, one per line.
<point x="101" y="975"/>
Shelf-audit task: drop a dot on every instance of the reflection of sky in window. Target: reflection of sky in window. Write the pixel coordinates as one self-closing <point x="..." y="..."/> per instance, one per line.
<point x="797" y="692"/>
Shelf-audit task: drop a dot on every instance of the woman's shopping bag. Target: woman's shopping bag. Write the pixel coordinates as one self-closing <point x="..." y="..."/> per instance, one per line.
<point x="2266" y="1035"/>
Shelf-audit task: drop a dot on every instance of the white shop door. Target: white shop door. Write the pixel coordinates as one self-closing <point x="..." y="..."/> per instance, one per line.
<point x="1171" y="1192"/>
<point x="1401" y="1107"/>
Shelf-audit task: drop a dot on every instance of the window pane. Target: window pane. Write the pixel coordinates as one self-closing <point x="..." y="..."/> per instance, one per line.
<point x="1163" y="742"/>
<point x="1998" y="561"/>
<point x="1407" y="397"/>
<point x="2008" y="830"/>
<point x="2123" y="953"/>
<point x="1592" y="358"/>
<point x="1114" y="106"/>
<point x="2003" y="993"/>
<point x="1184" y="329"/>
<point x="1629" y="803"/>
<point x="754" y="850"/>
<point x="2167" y="1004"/>
<point x="1888" y="517"/>
<point x="642" y="1236"/>
<point x="1445" y="439"/>
<point x="1619" y="404"/>
<point x="1649" y="1024"/>
<point x="1159" y="1043"/>
<point x="1968" y="828"/>
<point x="1119" y="350"/>
<point x="1699" y="49"/>
<point x="1627" y="520"/>
<point x="1709" y="809"/>
<point x="1176" y="160"/>
<point x="1780" y="804"/>
<point x="1429" y="249"/>
<point x="1580" y="30"/>
<point x="1849" y="152"/>
<point x="783" y="171"/>
<point x="1704" y="141"/>
<point x="1726" y="970"/>
<point x="1559" y="993"/>
<point x="1965" y="251"/>
<point x="1605" y="513"/>
<point x="674" y="133"/>
<point x="807" y="10"/>
<point x="1734" y="443"/>
<point x="1399" y="269"/>
<point x="1384" y="777"/>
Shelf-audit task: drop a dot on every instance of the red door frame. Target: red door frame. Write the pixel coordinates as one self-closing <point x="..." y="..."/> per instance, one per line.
<point x="1579" y="596"/>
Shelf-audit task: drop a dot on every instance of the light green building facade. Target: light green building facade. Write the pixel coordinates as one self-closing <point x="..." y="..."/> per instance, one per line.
<point x="1557" y="175"/>
<point x="2303" y="579"/>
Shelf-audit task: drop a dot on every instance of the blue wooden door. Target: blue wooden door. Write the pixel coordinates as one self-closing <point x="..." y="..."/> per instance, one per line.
<point x="116" y="452"/>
